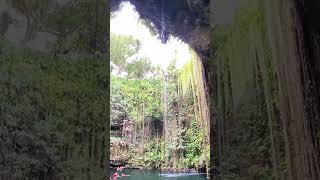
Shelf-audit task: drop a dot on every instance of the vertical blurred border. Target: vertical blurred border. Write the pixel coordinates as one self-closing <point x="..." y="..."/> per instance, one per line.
<point x="54" y="74"/>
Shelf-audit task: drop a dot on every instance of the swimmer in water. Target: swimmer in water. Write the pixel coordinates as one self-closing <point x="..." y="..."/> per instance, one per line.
<point x="118" y="173"/>
<point x="115" y="176"/>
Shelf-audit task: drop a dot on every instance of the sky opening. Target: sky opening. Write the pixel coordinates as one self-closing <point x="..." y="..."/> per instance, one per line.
<point x="126" y="22"/>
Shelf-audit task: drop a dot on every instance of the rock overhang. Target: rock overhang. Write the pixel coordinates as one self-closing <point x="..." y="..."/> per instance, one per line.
<point x="189" y="20"/>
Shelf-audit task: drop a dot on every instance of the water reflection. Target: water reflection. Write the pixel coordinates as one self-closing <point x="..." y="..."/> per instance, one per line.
<point x="137" y="174"/>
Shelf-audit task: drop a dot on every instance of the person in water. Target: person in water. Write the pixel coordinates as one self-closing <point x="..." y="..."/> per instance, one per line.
<point x="117" y="174"/>
<point x="120" y="168"/>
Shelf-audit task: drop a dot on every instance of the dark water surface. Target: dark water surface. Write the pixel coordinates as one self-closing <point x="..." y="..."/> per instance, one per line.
<point x="138" y="174"/>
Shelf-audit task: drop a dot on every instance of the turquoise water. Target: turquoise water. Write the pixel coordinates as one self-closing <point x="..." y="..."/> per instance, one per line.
<point x="137" y="174"/>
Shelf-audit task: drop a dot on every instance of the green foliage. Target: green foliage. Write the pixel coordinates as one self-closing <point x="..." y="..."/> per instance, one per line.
<point x="49" y="106"/>
<point x="139" y="68"/>
<point x="186" y="78"/>
<point x="124" y="48"/>
<point x="138" y="95"/>
<point x="153" y="157"/>
<point x="141" y="100"/>
<point x="81" y="26"/>
<point x="194" y="146"/>
<point x="121" y="48"/>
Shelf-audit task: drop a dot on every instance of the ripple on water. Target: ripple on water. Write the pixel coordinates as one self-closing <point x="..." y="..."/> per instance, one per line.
<point x="180" y="174"/>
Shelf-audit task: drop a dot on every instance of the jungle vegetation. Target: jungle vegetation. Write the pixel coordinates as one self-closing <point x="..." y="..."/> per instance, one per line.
<point x="157" y="115"/>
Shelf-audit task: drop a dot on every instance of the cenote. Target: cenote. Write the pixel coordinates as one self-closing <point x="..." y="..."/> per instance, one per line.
<point x="138" y="174"/>
<point x="159" y="113"/>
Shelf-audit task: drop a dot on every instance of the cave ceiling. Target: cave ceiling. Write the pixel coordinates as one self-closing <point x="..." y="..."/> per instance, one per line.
<point x="186" y="19"/>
